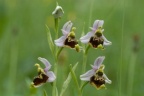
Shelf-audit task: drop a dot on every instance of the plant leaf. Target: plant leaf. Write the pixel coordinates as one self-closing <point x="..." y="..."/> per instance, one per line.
<point x="45" y="93"/>
<point x="50" y="41"/>
<point x="56" y="92"/>
<point x="67" y="81"/>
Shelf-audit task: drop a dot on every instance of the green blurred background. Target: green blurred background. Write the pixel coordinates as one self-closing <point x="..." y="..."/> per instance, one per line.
<point x="23" y="38"/>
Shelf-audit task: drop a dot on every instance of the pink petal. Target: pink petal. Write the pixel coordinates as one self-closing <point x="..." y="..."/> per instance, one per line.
<point x="51" y="76"/>
<point x="46" y="63"/>
<point x="66" y="28"/>
<point x="98" y="62"/>
<point x="98" y="23"/>
<point x="86" y="76"/>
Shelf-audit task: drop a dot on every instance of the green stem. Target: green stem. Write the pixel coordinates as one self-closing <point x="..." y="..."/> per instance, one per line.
<point x="56" y="57"/>
<point x="55" y="69"/>
<point x="90" y="12"/>
<point x="59" y="51"/>
<point x="131" y="72"/>
<point x="54" y="83"/>
<point x="84" y="60"/>
<point x="13" y="65"/>
<point x="84" y="84"/>
<point x="56" y="27"/>
<point x="121" y="56"/>
<point x="76" y="81"/>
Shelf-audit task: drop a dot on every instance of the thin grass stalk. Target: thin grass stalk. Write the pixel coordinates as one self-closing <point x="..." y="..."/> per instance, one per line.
<point x="121" y="51"/>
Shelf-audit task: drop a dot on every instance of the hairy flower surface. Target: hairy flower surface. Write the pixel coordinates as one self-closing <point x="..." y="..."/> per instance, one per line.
<point x="96" y="75"/>
<point x="58" y="12"/>
<point x="68" y="38"/>
<point x="44" y="75"/>
<point x="95" y="37"/>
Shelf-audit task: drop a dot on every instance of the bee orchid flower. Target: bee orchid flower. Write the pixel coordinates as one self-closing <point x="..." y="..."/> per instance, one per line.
<point x="44" y="75"/>
<point x="68" y="38"/>
<point x="96" y="75"/>
<point x="95" y="37"/>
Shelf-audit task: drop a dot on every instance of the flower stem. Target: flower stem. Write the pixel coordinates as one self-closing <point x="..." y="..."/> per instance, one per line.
<point x="54" y="83"/>
<point x="56" y="56"/>
<point x="83" y="85"/>
<point x="13" y="65"/>
<point x="131" y="72"/>
<point x="59" y="51"/>
<point x="121" y="56"/>
<point x="84" y="60"/>
<point x="56" y="27"/>
<point x="76" y="81"/>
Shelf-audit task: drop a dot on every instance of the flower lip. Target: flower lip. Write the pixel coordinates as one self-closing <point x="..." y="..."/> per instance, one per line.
<point x="39" y="81"/>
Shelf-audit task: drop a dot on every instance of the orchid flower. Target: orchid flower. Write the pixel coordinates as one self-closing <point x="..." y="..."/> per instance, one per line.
<point x="96" y="75"/>
<point x="68" y="38"/>
<point x="44" y="75"/>
<point x="95" y="37"/>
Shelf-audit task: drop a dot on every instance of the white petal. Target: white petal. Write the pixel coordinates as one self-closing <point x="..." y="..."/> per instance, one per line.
<point x="95" y="25"/>
<point x="106" y="42"/>
<point x="86" y="76"/>
<point x="46" y="63"/>
<point x="65" y="33"/>
<point x="51" y="76"/>
<point x="85" y="40"/>
<point x="98" y="62"/>
<point x="61" y="39"/>
<point x="60" y="44"/>
<point x="88" y="35"/>
<point x="67" y="27"/>
<point x="106" y="79"/>
<point x="98" y="23"/>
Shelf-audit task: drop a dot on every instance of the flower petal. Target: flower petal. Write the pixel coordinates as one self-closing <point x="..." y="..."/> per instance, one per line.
<point x="46" y="63"/>
<point x="60" y="42"/>
<point x="98" y="62"/>
<point x="67" y="27"/>
<point x="106" y="42"/>
<point x="51" y="76"/>
<point x="61" y="39"/>
<point x="88" y="35"/>
<point x="97" y="23"/>
<point x="106" y="79"/>
<point x="85" y="39"/>
<point x="86" y="76"/>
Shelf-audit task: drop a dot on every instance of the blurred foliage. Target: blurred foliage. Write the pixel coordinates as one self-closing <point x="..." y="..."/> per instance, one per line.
<point x="23" y="39"/>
